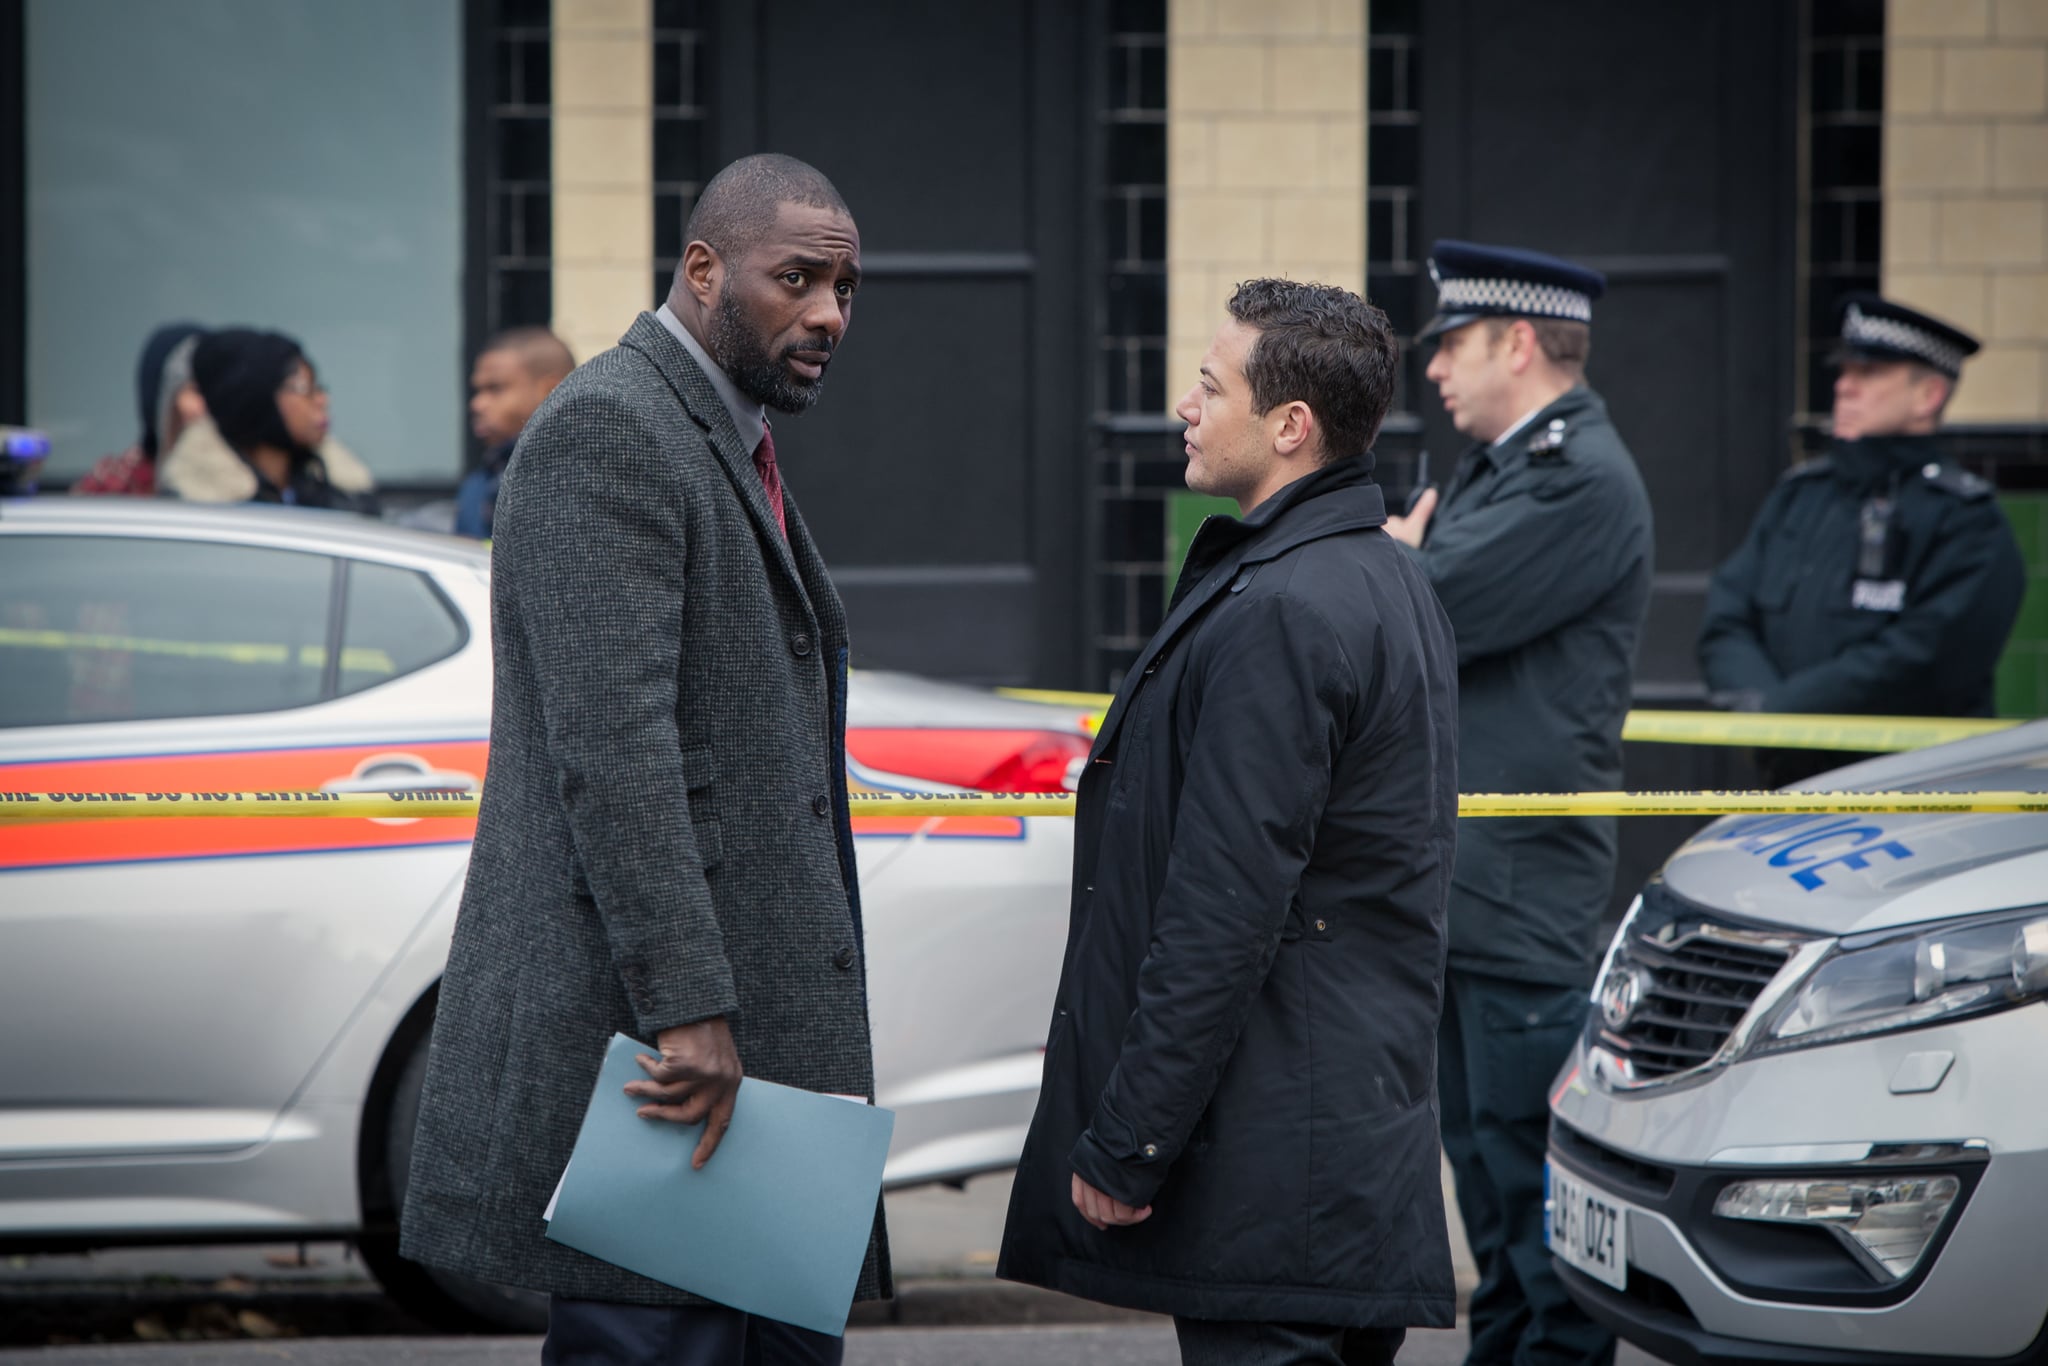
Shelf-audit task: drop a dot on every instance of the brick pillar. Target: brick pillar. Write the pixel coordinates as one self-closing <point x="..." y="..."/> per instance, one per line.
<point x="603" y="169"/>
<point x="1265" y="145"/>
<point x="1966" y="188"/>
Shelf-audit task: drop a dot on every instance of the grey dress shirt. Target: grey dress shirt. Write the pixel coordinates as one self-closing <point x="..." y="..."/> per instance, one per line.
<point x="746" y="414"/>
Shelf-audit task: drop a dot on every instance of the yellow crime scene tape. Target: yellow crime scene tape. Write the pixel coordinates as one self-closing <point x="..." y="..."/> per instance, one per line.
<point x="23" y="808"/>
<point x="1766" y="730"/>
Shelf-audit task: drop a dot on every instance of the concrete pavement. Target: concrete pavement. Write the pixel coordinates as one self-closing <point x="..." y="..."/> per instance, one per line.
<point x="950" y="1310"/>
<point x="1120" y="1344"/>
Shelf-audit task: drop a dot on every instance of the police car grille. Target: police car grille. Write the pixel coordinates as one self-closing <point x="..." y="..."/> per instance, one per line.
<point x="1696" y="989"/>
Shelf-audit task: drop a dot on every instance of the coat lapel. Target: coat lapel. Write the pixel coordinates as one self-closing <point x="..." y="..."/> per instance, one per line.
<point x="707" y="410"/>
<point x="1187" y="609"/>
<point x="1249" y="543"/>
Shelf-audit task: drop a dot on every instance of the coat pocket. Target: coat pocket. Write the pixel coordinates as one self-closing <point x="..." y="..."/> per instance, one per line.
<point x="700" y="778"/>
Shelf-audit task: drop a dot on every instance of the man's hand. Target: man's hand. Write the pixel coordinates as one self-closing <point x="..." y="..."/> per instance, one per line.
<point x="696" y="1080"/>
<point x="1103" y="1211"/>
<point x="1408" y="530"/>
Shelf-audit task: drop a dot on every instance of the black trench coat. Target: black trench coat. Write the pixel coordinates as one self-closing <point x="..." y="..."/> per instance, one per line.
<point x="1245" y="1032"/>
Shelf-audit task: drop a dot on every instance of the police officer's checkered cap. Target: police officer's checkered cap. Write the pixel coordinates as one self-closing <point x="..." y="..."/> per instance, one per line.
<point x="1864" y="328"/>
<point x="1517" y="297"/>
<point x="1474" y="281"/>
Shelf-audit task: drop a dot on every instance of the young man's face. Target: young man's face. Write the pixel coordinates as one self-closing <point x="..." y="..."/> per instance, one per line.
<point x="782" y="309"/>
<point x="504" y="391"/>
<point x="1471" y="374"/>
<point x="1229" y="448"/>
<point x="1887" y="398"/>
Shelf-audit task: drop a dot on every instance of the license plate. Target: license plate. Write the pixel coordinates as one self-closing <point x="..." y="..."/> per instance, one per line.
<point x="1585" y="1228"/>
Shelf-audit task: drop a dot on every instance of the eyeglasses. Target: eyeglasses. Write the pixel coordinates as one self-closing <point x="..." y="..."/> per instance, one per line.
<point x="308" y="388"/>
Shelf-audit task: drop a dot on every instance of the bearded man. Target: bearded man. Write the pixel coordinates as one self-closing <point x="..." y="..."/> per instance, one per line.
<point x="663" y="848"/>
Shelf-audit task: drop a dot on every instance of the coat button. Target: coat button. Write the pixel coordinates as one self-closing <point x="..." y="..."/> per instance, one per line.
<point x="1151" y="1150"/>
<point x="821" y="805"/>
<point x="1320" y="926"/>
<point x="844" y="958"/>
<point x="800" y="645"/>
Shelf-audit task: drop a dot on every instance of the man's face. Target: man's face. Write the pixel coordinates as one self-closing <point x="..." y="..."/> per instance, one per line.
<point x="783" y="309"/>
<point x="1471" y="374"/>
<point x="1887" y="398"/>
<point x="504" y="391"/>
<point x="1229" y="449"/>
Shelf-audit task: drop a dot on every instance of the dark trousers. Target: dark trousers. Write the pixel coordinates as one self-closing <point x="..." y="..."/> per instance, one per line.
<point x="1207" y="1342"/>
<point x="597" y="1333"/>
<point x="1499" y="1047"/>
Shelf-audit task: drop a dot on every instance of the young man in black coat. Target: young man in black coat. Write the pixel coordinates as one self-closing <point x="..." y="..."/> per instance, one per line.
<point x="1238" y="1123"/>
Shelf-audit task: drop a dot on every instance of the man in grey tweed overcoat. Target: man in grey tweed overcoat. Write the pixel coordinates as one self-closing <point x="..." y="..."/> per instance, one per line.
<point x="664" y="847"/>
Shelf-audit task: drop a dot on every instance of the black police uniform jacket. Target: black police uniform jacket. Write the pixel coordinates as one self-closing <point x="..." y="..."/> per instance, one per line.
<point x="1541" y="554"/>
<point x="1795" y="622"/>
<point x="1245" y="1032"/>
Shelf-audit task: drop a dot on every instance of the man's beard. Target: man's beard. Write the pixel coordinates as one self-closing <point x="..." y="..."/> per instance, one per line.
<point x="763" y="377"/>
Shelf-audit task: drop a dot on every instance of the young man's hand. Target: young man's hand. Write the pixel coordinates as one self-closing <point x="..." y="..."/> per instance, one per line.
<point x="1103" y="1211"/>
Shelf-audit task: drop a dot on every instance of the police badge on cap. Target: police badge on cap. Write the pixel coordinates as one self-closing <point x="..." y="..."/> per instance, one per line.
<point x="1878" y="329"/>
<point x="1474" y="282"/>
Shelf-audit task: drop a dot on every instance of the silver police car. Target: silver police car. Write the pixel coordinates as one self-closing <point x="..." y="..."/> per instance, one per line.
<point x="1806" y="1121"/>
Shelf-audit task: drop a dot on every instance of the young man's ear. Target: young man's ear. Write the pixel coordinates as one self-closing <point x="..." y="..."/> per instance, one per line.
<point x="1297" y="428"/>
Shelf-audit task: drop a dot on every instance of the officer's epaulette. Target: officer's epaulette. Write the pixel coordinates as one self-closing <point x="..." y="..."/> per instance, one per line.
<point x="1806" y="469"/>
<point x="1957" y="480"/>
<point x="1548" y="444"/>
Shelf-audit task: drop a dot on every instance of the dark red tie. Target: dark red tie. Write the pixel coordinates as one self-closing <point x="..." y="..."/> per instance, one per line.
<point x="771" y="478"/>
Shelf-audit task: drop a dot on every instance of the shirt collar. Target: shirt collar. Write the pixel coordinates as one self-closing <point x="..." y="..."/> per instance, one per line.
<point x="747" y="415"/>
<point x="1525" y="420"/>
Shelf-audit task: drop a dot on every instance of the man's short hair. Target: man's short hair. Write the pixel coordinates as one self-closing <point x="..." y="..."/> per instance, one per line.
<point x="1565" y="344"/>
<point x="1326" y="347"/>
<point x="738" y="207"/>
<point x="545" y="355"/>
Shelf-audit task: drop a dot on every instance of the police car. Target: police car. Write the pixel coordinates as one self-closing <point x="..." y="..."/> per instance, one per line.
<point x="215" y="1028"/>
<point x="1805" y="1122"/>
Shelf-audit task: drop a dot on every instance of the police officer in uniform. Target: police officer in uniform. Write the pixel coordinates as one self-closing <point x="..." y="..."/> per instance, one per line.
<point x="1541" y="555"/>
<point x="1879" y="578"/>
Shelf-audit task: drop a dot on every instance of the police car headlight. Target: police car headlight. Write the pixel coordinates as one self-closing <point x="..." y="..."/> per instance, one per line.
<point x="1890" y="1219"/>
<point x="1878" y="984"/>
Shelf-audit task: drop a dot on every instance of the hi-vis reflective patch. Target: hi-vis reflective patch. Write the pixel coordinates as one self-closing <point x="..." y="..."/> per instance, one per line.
<point x="1878" y="595"/>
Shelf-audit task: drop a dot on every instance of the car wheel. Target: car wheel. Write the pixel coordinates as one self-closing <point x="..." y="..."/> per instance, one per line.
<point x="442" y="1299"/>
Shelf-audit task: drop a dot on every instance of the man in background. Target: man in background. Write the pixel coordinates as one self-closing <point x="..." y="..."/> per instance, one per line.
<point x="1541" y="556"/>
<point x="513" y="373"/>
<point x="1881" y="578"/>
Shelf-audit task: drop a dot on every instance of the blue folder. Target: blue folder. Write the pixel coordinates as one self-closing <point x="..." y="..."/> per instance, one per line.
<point x="777" y="1222"/>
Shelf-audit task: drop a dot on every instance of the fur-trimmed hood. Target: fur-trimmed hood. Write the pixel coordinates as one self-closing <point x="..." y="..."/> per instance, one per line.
<point x="203" y="468"/>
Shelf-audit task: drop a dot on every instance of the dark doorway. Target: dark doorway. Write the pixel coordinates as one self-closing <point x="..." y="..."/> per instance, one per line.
<point x="1657" y="143"/>
<point x="943" y="474"/>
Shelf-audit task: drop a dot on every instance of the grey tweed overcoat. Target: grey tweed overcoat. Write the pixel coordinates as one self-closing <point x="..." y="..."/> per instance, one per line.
<point x="664" y="832"/>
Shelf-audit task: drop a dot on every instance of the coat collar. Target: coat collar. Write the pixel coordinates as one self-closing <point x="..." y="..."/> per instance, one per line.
<point x="1335" y="499"/>
<point x="1872" y="462"/>
<point x="1571" y="406"/>
<point x="701" y="401"/>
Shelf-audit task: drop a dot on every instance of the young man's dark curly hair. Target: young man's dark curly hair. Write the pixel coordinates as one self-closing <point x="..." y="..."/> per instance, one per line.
<point x="1326" y="347"/>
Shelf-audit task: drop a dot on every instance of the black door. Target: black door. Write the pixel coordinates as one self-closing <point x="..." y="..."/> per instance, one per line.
<point x="942" y="472"/>
<point x="1657" y="143"/>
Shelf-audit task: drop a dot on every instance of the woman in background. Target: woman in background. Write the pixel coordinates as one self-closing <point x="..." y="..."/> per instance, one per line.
<point x="267" y="439"/>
